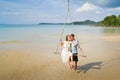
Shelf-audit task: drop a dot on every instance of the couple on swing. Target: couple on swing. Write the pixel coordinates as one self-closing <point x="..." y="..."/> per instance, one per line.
<point x="70" y="51"/>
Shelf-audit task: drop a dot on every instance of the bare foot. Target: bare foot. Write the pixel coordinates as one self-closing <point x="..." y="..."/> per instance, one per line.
<point x="75" y="68"/>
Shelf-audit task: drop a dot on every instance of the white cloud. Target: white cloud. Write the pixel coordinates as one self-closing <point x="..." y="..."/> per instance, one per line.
<point x="114" y="9"/>
<point x="94" y="12"/>
<point x="99" y="12"/>
<point x="94" y="9"/>
<point x="86" y="7"/>
<point x="118" y="8"/>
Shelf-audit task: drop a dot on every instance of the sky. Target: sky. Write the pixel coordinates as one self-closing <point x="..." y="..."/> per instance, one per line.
<point x="40" y="11"/>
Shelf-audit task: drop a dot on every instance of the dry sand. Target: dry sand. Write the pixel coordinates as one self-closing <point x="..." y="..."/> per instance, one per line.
<point x="36" y="61"/>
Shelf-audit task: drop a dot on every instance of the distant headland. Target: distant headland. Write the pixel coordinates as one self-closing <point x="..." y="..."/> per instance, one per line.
<point x="108" y="21"/>
<point x="86" y="22"/>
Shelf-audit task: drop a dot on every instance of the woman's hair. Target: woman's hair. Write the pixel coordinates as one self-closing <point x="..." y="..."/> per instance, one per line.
<point x="67" y="37"/>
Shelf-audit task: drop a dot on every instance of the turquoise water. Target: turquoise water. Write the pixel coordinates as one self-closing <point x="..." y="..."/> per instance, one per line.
<point x="36" y="33"/>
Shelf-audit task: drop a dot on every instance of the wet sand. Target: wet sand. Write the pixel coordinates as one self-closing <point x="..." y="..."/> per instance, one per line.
<point x="36" y="61"/>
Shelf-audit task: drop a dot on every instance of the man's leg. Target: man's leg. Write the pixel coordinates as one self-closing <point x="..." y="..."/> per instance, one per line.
<point x="75" y="60"/>
<point x="75" y="65"/>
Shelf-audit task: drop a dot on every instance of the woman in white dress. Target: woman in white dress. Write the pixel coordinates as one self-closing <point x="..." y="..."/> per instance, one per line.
<point x="66" y="53"/>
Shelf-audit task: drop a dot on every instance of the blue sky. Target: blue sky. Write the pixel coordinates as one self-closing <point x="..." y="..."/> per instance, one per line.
<point x="35" y="11"/>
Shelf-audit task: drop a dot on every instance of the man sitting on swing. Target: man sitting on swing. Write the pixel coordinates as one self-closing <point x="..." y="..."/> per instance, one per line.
<point x="74" y="45"/>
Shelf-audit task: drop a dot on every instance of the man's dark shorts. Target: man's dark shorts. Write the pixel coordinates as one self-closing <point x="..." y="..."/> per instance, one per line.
<point x="75" y="57"/>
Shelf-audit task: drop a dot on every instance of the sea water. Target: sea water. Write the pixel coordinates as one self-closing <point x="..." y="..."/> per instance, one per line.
<point x="36" y="33"/>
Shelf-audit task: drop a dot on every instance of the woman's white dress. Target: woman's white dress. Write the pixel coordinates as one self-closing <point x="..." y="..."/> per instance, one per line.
<point x="65" y="54"/>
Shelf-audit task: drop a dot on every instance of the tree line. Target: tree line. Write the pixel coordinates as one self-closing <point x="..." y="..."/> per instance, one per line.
<point x="111" y="20"/>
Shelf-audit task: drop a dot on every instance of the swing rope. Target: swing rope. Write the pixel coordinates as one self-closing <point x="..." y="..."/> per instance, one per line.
<point x="67" y="16"/>
<point x="68" y="13"/>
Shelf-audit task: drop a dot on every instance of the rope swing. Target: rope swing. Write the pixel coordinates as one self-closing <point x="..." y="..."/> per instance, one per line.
<point x="67" y="16"/>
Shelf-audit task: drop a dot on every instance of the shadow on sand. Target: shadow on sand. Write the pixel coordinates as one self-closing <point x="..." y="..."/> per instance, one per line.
<point x="86" y="67"/>
<point x="94" y="65"/>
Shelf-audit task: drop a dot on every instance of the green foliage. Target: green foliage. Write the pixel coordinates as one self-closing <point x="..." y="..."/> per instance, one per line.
<point x="110" y="21"/>
<point x="119" y="19"/>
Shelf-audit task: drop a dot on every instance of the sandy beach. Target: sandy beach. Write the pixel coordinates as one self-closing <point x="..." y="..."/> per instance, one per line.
<point x="20" y="60"/>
